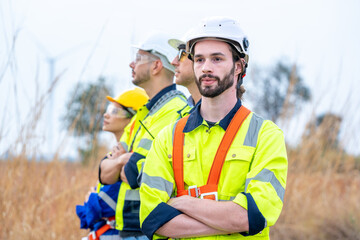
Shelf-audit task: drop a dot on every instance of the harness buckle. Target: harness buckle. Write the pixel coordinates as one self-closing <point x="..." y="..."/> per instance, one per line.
<point x="111" y="223"/>
<point x="209" y="196"/>
<point x="196" y="190"/>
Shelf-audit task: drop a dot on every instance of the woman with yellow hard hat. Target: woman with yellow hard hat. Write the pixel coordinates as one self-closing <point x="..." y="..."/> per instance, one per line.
<point x="98" y="212"/>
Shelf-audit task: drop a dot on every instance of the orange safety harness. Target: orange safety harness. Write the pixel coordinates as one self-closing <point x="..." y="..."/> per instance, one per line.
<point x="208" y="191"/>
<point x="110" y="224"/>
<point x="131" y="130"/>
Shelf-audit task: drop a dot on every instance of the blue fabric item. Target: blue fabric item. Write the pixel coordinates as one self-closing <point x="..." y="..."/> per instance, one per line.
<point x="195" y="118"/>
<point x="81" y="212"/>
<point x="158" y="217"/>
<point x="152" y="101"/>
<point x="92" y="212"/>
<point x="112" y="191"/>
<point x="131" y="170"/>
<point x="255" y="217"/>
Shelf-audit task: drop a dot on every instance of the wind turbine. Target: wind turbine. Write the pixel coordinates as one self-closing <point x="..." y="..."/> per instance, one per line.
<point x="52" y="61"/>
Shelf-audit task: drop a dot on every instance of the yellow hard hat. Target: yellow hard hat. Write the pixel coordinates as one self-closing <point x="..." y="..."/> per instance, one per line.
<point x="134" y="98"/>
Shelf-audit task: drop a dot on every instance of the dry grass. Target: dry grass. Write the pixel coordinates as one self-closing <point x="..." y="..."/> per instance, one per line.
<point x="38" y="198"/>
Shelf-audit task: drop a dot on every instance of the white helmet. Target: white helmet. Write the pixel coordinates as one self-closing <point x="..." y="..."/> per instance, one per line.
<point x="222" y="28"/>
<point x="157" y="44"/>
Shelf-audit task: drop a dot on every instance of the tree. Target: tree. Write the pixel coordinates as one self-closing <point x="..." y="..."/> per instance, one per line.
<point x="280" y="91"/>
<point x="85" y="109"/>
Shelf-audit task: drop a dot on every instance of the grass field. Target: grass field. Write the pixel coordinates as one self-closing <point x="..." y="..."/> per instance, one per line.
<point x="38" y="199"/>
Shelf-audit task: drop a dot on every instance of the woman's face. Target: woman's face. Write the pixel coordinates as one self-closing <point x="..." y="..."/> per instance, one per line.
<point x="115" y="118"/>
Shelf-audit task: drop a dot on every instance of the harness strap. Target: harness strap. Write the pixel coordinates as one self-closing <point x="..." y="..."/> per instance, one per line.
<point x="178" y="154"/>
<point x="208" y="191"/>
<point x="94" y="235"/>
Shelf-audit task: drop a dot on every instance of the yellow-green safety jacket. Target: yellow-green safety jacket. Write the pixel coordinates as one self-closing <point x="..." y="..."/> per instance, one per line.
<point x="253" y="175"/>
<point x="164" y="108"/>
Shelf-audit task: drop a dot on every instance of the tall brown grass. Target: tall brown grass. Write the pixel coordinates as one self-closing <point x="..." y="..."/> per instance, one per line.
<point x="38" y="199"/>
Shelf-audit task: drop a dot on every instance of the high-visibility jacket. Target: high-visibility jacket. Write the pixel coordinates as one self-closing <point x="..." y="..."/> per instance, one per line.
<point x="253" y="174"/>
<point x="164" y="108"/>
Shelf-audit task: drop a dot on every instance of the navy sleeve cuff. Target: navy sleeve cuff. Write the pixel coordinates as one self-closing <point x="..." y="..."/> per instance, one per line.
<point x="158" y="217"/>
<point x="100" y="170"/>
<point x="257" y="222"/>
<point x="131" y="170"/>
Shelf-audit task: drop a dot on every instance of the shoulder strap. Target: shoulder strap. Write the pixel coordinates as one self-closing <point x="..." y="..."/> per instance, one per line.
<point x="225" y="144"/>
<point x="131" y="130"/>
<point x="177" y="153"/>
<point x="218" y="162"/>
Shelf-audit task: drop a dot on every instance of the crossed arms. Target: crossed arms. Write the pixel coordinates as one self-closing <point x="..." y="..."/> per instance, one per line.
<point x="203" y="217"/>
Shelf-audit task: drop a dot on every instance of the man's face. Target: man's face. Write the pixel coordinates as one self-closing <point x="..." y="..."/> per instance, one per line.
<point x="184" y="72"/>
<point x="214" y="67"/>
<point x="141" y="67"/>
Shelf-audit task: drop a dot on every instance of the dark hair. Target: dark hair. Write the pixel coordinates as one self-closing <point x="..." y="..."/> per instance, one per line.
<point x="236" y="56"/>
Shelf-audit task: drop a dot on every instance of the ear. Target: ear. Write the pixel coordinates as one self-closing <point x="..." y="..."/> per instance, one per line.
<point x="156" y="67"/>
<point x="238" y="67"/>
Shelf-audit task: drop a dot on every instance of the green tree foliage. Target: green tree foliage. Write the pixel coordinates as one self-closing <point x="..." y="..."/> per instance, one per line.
<point x="280" y="91"/>
<point x="85" y="109"/>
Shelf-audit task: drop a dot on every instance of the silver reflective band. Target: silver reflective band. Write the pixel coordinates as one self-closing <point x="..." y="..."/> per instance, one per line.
<point x="268" y="176"/>
<point x="110" y="237"/>
<point x="109" y="201"/>
<point x="132" y="195"/>
<point x="167" y="97"/>
<point x="158" y="183"/>
<point x="253" y="131"/>
<point x="125" y="146"/>
<point x="145" y="143"/>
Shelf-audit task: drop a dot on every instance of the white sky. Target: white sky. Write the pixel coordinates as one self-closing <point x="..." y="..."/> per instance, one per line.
<point x="92" y="38"/>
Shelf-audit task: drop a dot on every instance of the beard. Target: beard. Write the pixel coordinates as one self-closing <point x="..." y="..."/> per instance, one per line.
<point x="224" y="84"/>
<point x="141" y="77"/>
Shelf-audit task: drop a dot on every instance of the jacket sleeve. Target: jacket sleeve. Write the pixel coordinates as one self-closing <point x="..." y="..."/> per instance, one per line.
<point x="266" y="180"/>
<point x="157" y="186"/>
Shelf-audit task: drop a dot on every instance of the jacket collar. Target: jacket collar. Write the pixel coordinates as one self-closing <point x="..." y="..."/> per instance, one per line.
<point x="195" y="119"/>
<point x="151" y="103"/>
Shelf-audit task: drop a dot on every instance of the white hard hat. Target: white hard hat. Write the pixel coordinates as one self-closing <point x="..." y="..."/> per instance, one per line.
<point x="157" y="44"/>
<point x="222" y="28"/>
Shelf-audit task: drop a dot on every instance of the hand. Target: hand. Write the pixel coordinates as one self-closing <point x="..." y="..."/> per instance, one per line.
<point x="180" y="202"/>
<point x="117" y="151"/>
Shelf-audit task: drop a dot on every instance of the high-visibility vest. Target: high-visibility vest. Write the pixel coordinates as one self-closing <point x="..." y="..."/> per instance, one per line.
<point x="208" y="191"/>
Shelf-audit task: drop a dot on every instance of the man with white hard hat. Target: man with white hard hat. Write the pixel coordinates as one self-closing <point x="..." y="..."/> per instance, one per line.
<point x="220" y="172"/>
<point x="152" y="71"/>
<point x="184" y="72"/>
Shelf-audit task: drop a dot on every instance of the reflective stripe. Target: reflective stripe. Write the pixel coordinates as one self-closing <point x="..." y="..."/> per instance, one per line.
<point x="167" y="97"/>
<point x="109" y="201"/>
<point x="115" y="236"/>
<point x="158" y="183"/>
<point x="232" y="198"/>
<point x="132" y="195"/>
<point x="145" y="143"/>
<point x="253" y="131"/>
<point x="125" y="146"/>
<point x="173" y="131"/>
<point x="139" y="178"/>
<point x="268" y="176"/>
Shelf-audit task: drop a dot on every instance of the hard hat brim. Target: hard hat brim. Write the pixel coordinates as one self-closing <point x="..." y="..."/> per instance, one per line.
<point x="175" y="43"/>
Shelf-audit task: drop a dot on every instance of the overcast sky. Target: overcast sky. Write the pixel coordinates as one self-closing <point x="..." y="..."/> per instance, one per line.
<point x="90" y="38"/>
